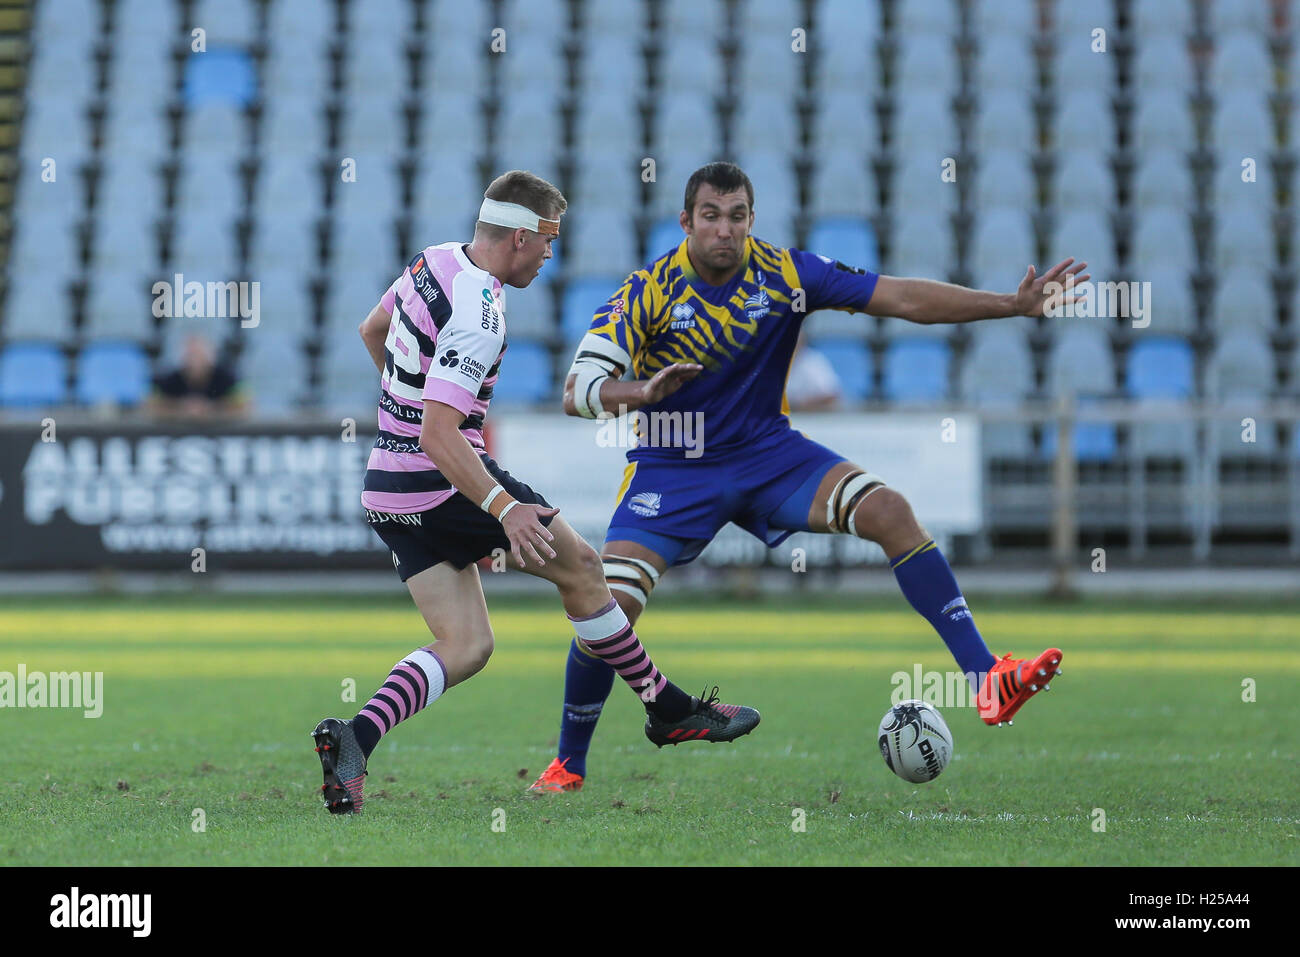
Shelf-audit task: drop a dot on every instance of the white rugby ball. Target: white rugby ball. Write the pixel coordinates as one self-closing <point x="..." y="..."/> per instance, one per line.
<point x="915" y="741"/>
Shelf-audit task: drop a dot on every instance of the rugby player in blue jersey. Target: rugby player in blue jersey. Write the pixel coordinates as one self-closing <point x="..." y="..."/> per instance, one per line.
<point x="710" y="328"/>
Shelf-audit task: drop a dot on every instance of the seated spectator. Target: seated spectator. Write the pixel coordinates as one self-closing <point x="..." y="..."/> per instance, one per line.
<point x="199" y="388"/>
<point x="813" y="385"/>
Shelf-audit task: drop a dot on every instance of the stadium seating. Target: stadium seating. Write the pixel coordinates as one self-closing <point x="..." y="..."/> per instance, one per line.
<point x="915" y="371"/>
<point x="580" y="301"/>
<point x="1161" y="370"/>
<point x="32" y="374"/>
<point x="114" y="372"/>
<point x="998" y="374"/>
<point x="1241" y="371"/>
<point x="852" y="364"/>
<point x="226" y="164"/>
<point x="1081" y="365"/>
<point x="851" y="241"/>
<point x="526" y="374"/>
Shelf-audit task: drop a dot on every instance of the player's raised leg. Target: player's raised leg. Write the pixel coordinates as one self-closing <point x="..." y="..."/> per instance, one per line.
<point x="631" y="572"/>
<point x="604" y="630"/>
<point x="851" y="500"/>
<point x="452" y="605"/>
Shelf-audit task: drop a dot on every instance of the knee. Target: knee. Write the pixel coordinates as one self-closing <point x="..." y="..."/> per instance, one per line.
<point x="583" y="567"/>
<point x="478" y="649"/>
<point x="883" y="514"/>
<point x="589" y="563"/>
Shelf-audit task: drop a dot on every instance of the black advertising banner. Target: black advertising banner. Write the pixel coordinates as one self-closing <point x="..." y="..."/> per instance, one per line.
<point x="145" y="496"/>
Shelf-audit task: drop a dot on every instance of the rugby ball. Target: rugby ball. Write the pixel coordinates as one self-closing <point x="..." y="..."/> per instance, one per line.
<point x="915" y="741"/>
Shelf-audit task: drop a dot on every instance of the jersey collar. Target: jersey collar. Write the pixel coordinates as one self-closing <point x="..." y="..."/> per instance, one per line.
<point x="683" y="261"/>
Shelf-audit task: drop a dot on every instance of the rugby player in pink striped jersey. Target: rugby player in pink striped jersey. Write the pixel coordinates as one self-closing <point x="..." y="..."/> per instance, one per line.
<point x="440" y="503"/>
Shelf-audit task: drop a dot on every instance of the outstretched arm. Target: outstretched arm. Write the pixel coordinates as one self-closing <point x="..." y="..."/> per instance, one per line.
<point x="615" y="394"/>
<point x="929" y="301"/>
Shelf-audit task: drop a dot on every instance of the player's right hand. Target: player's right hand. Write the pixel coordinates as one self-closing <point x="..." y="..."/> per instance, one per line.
<point x="667" y="381"/>
<point x="526" y="532"/>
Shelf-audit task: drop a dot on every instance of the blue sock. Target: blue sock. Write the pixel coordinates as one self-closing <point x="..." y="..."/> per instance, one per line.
<point x="587" y="683"/>
<point x="928" y="583"/>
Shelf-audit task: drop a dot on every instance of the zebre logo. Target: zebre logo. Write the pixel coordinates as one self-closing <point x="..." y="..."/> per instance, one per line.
<point x="646" y="503"/>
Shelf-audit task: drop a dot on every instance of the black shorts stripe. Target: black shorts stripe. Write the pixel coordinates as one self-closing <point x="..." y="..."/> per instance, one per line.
<point x="377" y="480"/>
<point x="456" y="531"/>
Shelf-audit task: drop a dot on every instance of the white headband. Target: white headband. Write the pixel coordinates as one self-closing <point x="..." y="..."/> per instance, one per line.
<point x="516" y="217"/>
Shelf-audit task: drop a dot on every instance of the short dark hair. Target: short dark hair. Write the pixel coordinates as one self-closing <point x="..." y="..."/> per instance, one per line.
<point x="724" y="177"/>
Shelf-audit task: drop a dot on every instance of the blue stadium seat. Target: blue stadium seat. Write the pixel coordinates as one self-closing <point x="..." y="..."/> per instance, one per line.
<point x="1161" y="368"/>
<point x="525" y="374"/>
<point x="1093" y="441"/>
<point x="851" y="361"/>
<point x="224" y="74"/>
<point x="115" y="372"/>
<point x="1081" y="364"/>
<point x="916" y="370"/>
<point x="851" y="241"/>
<point x="580" y="302"/>
<point x="32" y="374"/>
<point x="665" y="235"/>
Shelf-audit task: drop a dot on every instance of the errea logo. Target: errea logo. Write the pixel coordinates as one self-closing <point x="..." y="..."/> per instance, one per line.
<point x="683" y="316"/>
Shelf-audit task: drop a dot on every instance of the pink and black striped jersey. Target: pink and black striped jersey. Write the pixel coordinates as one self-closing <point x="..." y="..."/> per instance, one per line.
<point x="445" y="343"/>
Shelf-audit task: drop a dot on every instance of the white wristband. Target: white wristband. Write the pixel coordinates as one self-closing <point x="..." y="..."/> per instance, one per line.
<point x="492" y="493"/>
<point x="505" y="511"/>
<point x="586" y="389"/>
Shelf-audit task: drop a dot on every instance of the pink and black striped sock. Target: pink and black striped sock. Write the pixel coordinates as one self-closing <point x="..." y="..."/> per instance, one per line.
<point x="609" y="636"/>
<point x="415" y="682"/>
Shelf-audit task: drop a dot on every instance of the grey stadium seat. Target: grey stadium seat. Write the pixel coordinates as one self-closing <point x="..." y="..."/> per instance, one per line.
<point x="845" y="118"/>
<point x="843" y="184"/>
<point x="1005" y="178"/>
<point x="1005" y="62"/>
<point x="998" y="373"/>
<point x="924" y="121"/>
<point x="1243" y="122"/>
<point x="1084" y="234"/>
<point x="1163" y="178"/>
<point x="1002" y="117"/>
<point x="1162" y="62"/>
<point x="1244" y="299"/>
<point x="1083" y="176"/>
<point x="926" y="61"/>
<point x="1243" y="237"/>
<point x="1163" y="236"/>
<point x="1241" y="369"/>
<point x="692" y="61"/>
<point x="1240" y="61"/>
<point x="1171" y="304"/>
<point x="1164" y="120"/>
<point x="1002" y="236"/>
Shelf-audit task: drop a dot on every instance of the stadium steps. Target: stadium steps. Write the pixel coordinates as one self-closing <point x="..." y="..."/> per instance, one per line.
<point x="15" y="48"/>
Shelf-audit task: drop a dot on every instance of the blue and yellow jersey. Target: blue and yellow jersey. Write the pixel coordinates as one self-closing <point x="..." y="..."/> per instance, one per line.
<point x="743" y="333"/>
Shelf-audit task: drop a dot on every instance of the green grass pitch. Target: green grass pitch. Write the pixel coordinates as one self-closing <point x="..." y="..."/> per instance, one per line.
<point x="208" y="704"/>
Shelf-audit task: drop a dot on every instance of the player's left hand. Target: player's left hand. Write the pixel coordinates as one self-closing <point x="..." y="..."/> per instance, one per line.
<point x="1051" y="290"/>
